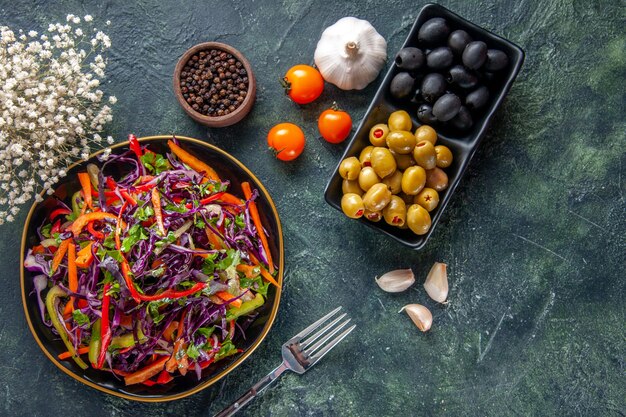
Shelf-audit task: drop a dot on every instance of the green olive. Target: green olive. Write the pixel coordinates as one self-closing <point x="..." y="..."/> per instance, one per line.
<point x="352" y="205"/>
<point x="444" y="156"/>
<point x="395" y="212"/>
<point x="351" y="186"/>
<point x="378" y="134"/>
<point x="349" y="168"/>
<point x="426" y="132"/>
<point x="427" y="198"/>
<point x="436" y="178"/>
<point x="418" y="219"/>
<point x="413" y="180"/>
<point x="366" y="156"/>
<point x="367" y="178"/>
<point x="394" y="182"/>
<point x="399" y="120"/>
<point x="377" y="197"/>
<point x="425" y="155"/>
<point x="401" y="141"/>
<point x="403" y="161"/>
<point x="373" y="216"/>
<point x="383" y="162"/>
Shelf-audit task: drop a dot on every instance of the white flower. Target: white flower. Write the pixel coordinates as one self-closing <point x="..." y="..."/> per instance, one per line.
<point x="88" y="18"/>
<point x="112" y="99"/>
<point x="32" y="33"/>
<point x="78" y="32"/>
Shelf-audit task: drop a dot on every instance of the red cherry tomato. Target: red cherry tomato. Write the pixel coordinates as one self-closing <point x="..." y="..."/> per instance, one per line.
<point x="334" y="125"/>
<point x="303" y="83"/>
<point x="287" y="141"/>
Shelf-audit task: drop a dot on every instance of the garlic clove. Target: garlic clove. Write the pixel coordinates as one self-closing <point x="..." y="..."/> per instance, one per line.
<point x="396" y="281"/>
<point x="421" y="316"/>
<point x="436" y="284"/>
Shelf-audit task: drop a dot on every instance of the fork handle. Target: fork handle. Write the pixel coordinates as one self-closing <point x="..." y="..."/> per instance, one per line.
<point x="253" y="392"/>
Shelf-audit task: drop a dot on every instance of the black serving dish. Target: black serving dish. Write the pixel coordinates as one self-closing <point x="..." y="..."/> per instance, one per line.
<point x="462" y="145"/>
<point x="229" y="169"/>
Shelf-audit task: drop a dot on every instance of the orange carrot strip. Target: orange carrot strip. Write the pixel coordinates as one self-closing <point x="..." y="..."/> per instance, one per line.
<point x="269" y="277"/>
<point x="85" y="183"/>
<point x="250" y="271"/>
<point x="169" y="331"/>
<point x="59" y="255"/>
<point x="146" y="372"/>
<point x="156" y="202"/>
<point x="66" y="355"/>
<point x="72" y="272"/>
<point x="193" y="162"/>
<point x="84" y="258"/>
<point x="231" y="199"/>
<point x="226" y="296"/>
<point x="256" y="219"/>
<point x="214" y="239"/>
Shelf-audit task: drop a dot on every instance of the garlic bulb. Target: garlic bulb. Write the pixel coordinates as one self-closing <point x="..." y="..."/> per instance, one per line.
<point x="396" y="281"/>
<point x="350" y="53"/>
<point x="421" y="316"/>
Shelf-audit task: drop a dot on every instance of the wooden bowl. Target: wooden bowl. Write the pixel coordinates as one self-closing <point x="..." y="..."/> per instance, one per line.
<point x="216" y="121"/>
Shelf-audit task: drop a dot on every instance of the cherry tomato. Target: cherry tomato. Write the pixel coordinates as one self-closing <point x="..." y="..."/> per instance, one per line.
<point x="334" y="125"/>
<point x="303" y="83"/>
<point x="287" y="141"/>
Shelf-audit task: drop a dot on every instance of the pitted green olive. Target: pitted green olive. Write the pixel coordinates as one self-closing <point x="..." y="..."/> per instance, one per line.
<point x="426" y="132"/>
<point x="349" y="168"/>
<point x="427" y="198"/>
<point x="437" y="179"/>
<point x="413" y="180"/>
<point x="399" y="120"/>
<point x="367" y="178"/>
<point x="378" y="134"/>
<point x="383" y="161"/>
<point x="418" y="219"/>
<point x="394" y="182"/>
<point x="351" y="186"/>
<point x="352" y="205"/>
<point x="401" y="141"/>
<point x="444" y="156"/>
<point x="403" y="161"/>
<point x="377" y="197"/>
<point x="365" y="156"/>
<point x="373" y="216"/>
<point x="425" y="155"/>
<point x="395" y="212"/>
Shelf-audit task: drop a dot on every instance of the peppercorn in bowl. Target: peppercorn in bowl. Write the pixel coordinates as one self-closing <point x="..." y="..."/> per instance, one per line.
<point x="214" y="84"/>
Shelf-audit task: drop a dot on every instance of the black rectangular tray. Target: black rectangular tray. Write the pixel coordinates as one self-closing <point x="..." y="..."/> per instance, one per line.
<point x="463" y="146"/>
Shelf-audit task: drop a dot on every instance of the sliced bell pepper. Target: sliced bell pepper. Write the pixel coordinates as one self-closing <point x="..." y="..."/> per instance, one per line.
<point x="147" y="372"/>
<point x="59" y="212"/>
<point x="105" y="327"/>
<point x="193" y="162"/>
<point x="52" y="300"/>
<point x="94" y="343"/>
<point x="127" y="340"/>
<point x="226" y="296"/>
<point x="214" y="239"/>
<point x="134" y="146"/>
<point x="164" y="377"/>
<point x="247" y="307"/>
<point x="205" y="201"/>
<point x="158" y="214"/>
<point x="82" y="221"/>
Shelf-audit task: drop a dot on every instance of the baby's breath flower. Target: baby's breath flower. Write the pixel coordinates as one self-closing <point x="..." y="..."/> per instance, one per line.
<point x="51" y="109"/>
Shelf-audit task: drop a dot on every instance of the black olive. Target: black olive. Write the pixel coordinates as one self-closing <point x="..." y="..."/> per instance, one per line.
<point x="458" y="40"/>
<point x="459" y="75"/>
<point x="433" y="86"/>
<point x="475" y="54"/>
<point x="433" y="32"/>
<point x="417" y="97"/>
<point x="496" y="60"/>
<point x="439" y="58"/>
<point x="463" y="120"/>
<point x="410" y="58"/>
<point x="402" y="85"/>
<point x="477" y="98"/>
<point x="446" y="107"/>
<point x="425" y="114"/>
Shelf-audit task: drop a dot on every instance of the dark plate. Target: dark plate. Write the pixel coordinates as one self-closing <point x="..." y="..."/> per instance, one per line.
<point x="230" y="169"/>
<point x="463" y="146"/>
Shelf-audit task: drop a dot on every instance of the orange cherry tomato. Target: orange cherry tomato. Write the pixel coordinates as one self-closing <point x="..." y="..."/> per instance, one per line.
<point x="334" y="125"/>
<point x="287" y="141"/>
<point x="303" y="83"/>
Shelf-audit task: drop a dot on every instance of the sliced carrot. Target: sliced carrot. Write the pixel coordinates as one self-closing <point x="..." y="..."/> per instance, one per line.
<point x="72" y="272"/>
<point x="84" y="258"/>
<point x="118" y="228"/>
<point x="250" y="271"/>
<point x="226" y="296"/>
<point x="59" y="255"/>
<point x="158" y="214"/>
<point x="82" y="221"/>
<point x="193" y="162"/>
<point x="169" y="330"/>
<point x="268" y="277"/>
<point x="85" y="183"/>
<point x="256" y="219"/>
<point x="66" y="355"/>
<point x="214" y="239"/>
<point x="231" y="199"/>
<point x="174" y="362"/>
<point x="146" y="372"/>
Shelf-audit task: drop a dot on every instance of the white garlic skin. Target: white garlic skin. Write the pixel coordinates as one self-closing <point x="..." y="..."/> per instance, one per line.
<point x="350" y="53"/>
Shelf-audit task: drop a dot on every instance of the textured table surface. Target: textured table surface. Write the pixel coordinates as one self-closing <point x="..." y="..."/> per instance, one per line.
<point x="534" y="237"/>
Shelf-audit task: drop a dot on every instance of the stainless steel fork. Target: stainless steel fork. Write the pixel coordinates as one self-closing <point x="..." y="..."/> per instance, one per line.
<point x="300" y="353"/>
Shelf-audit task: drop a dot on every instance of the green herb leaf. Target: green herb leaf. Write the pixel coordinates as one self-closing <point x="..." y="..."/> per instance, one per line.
<point x="135" y="234"/>
<point x="206" y="331"/>
<point x="227" y="349"/>
<point x="208" y="266"/>
<point x="155" y="163"/>
<point x="143" y="213"/>
<point x="80" y="318"/>
<point x="171" y="237"/>
<point x="193" y="351"/>
<point x="45" y="231"/>
<point x="233" y="258"/>
<point x="153" y="311"/>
